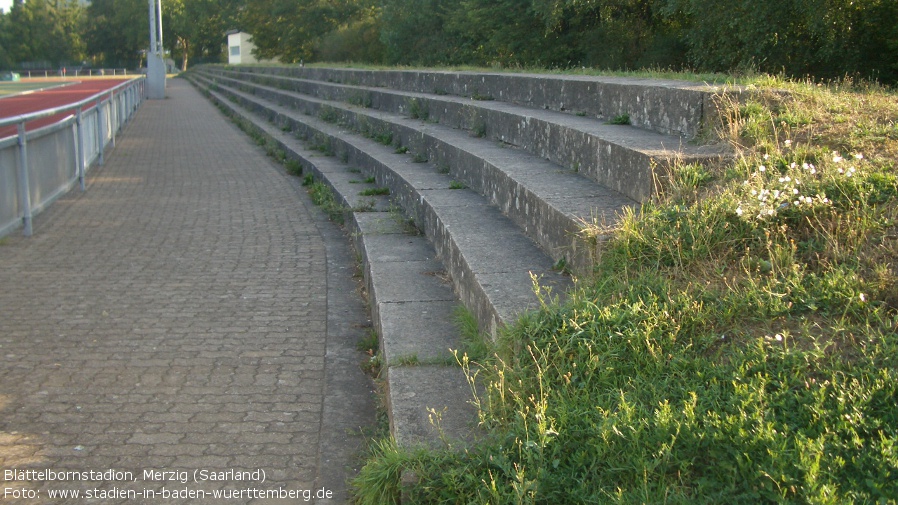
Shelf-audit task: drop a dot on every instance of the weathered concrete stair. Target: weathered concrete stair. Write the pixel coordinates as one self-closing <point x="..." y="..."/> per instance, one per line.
<point x="520" y="216"/>
<point x="548" y="201"/>
<point x="619" y="157"/>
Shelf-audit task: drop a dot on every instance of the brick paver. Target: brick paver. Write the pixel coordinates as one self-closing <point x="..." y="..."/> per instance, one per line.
<point x="174" y="317"/>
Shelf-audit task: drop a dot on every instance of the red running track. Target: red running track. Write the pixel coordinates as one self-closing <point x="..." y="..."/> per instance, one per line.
<point x="17" y="105"/>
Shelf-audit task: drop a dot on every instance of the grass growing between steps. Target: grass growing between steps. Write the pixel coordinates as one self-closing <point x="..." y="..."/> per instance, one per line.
<point x="738" y="342"/>
<point x="323" y="197"/>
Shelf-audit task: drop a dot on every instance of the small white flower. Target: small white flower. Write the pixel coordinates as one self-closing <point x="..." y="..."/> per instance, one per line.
<point x="787" y="142"/>
<point x="837" y="158"/>
<point x="863" y="298"/>
<point x="739" y="211"/>
<point x="778" y="337"/>
<point x="792" y="165"/>
<point x="766" y="157"/>
<point x="794" y="191"/>
<point x="858" y="156"/>
<point x="762" y="168"/>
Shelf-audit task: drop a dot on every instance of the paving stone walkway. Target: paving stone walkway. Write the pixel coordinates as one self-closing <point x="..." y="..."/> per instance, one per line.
<point x="191" y="311"/>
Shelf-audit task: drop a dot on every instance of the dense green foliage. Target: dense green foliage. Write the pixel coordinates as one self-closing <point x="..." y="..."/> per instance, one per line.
<point x="117" y="32"/>
<point x="41" y="31"/>
<point x="112" y="33"/>
<point x="194" y="29"/>
<point x="737" y="343"/>
<point x="821" y="38"/>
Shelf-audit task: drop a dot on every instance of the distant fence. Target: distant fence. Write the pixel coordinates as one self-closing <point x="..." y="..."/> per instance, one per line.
<point x="76" y="72"/>
<point x="37" y="167"/>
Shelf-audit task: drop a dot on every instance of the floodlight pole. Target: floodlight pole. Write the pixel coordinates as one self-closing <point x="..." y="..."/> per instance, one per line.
<point x="155" y="56"/>
<point x="159" y="21"/>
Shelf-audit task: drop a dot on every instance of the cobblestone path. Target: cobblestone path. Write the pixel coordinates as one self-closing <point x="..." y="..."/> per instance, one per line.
<point x="190" y="312"/>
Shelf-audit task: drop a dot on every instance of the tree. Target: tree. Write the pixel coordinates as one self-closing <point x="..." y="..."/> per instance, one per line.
<point x="194" y="29"/>
<point x="6" y="60"/>
<point x="506" y="33"/>
<point x="418" y="32"/>
<point x="45" y="31"/>
<point x="822" y="38"/>
<point x="118" y="31"/>
<point x="357" y="39"/>
<point x="292" y="29"/>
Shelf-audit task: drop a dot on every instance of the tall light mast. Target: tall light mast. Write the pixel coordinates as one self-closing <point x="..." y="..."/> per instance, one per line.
<point x="155" y="56"/>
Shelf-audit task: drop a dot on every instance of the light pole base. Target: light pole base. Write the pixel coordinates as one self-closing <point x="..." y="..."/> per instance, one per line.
<point x="155" y="77"/>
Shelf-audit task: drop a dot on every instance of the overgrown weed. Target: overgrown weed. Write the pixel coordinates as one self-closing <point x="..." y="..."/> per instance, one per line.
<point x="737" y="342"/>
<point x="322" y="196"/>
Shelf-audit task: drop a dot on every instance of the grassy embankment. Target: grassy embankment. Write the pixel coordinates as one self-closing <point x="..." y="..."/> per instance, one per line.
<point x="736" y="344"/>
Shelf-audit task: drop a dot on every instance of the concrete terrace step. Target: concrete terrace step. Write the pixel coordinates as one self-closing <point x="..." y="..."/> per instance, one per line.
<point x="666" y="106"/>
<point x="620" y="157"/>
<point x="446" y="216"/>
<point x="536" y="172"/>
<point x="546" y="201"/>
<point x="407" y="294"/>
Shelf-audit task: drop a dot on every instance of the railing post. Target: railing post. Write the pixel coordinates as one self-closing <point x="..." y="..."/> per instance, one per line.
<point x="100" y="134"/>
<point x="24" y="189"/>
<point x="113" y="116"/>
<point x="79" y="146"/>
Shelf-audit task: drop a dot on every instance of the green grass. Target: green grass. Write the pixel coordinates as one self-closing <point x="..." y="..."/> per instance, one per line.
<point x="475" y="343"/>
<point x="323" y="197"/>
<point x="736" y="343"/>
<point x="14" y="87"/>
<point x="623" y="119"/>
<point x="375" y="191"/>
<point x="293" y="167"/>
<point x="417" y="109"/>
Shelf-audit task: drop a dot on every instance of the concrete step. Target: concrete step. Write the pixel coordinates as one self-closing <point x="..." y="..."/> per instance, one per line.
<point x="425" y="196"/>
<point x="550" y="204"/>
<point x="667" y="106"/>
<point x="623" y="158"/>
<point x="484" y="254"/>
<point x="412" y="304"/>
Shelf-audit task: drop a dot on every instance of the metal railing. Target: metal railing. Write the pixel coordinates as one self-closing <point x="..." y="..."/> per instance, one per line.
<point x="39" y="166"/>
<point x="76" y="72"/>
